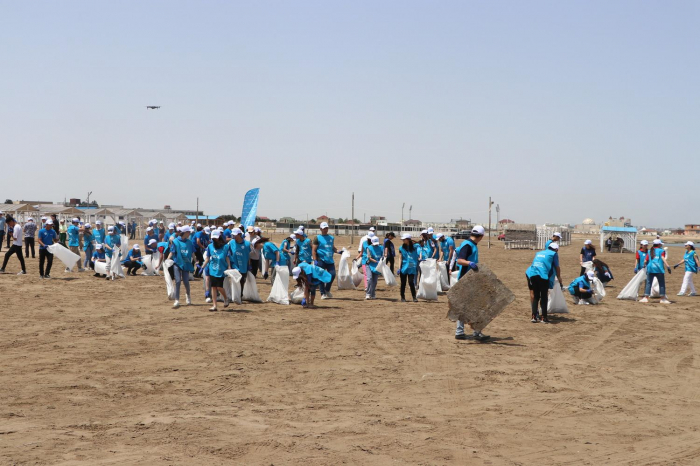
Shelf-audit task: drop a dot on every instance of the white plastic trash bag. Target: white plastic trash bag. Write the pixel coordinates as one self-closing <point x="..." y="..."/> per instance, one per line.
<point x="170" y="286"/>
<point x="65" y="255"/>
<point x="357" y="275"/>
<point x="101" y="268"/>
<point x="232" y="284"/>
<point x="444" y="281"/>
<point x="588" y="266"/>
<point x="386" y="272"/>
<point x="454" y="277"/>
<point x="250" y="290"/>
<point x="263" y="264"/>
<point x="344" y="276"/>
<point x="297" y="295"/>
<point x="655" y="290"/>
<point x="557" y="302"/>
<point x="598" y="289"/>
<point x="631" y="290"/>
<point x="124" y="244"/>
<point x="280" y="287"/>
<point x="149" y="261"/>
<point x="115" y="265"/>
<point x="427" y="287"/>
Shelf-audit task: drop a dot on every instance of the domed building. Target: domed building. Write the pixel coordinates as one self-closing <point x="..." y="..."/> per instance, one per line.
<point x="587" y="226"/>
<point x="589" y="221"/>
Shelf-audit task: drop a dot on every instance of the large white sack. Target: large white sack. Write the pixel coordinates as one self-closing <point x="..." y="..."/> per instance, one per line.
<point x="101" y="268"/>
<point x="65" y="255"/>
<point x="386" y="272"/>
<point x="297" y="295"/>
<point x="280" y="287"/>
<point x="170" y="286"/>
<point x="427" y="287"/>
<point x="598" y="289"/>
<point x="124" y="244"/>
<point x="149" y="260"/>
<point x="454" y="277"/>
<point x="557" y="302"/>
<point x="655" y="290"/>
<point x="263" y="264"/>
<point x="344" y="276"/>
<point x="588" y="266"/>
<point x="631" y="290"/>
<point x="357" y="275"/>
<point x="232" y="284"/>
<point x="444" y="280"/>
<point x="250" y="290"/>
<point x="115" y="265"/>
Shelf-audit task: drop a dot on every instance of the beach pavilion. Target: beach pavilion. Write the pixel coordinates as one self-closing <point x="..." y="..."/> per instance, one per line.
<point x="628" y="235"/>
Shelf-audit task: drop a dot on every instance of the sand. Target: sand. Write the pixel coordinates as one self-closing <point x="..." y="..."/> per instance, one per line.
<point x="96" y="373"/>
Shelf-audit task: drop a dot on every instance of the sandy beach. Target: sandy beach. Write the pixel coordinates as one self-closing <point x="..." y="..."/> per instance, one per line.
<point x="98" y="373"/>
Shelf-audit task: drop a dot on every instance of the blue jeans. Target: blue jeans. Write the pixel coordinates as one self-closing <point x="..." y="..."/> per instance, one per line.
<point x="662" y="284"/>
<point x="88" y="255"/>
<point x="330" y="268"/>
<point x="180" y="277"/>
<point x="372" y="283"/>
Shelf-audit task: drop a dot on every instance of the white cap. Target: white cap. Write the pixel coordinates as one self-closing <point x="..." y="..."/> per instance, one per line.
<point x="199" y="225"/>
<point x="186" y="229"/>
<point x="478" y="230"/>
<point x="588" y="242"/>
<point x="30" y="219"/>
<point x="87" y="225"/>
<point x="557" y="234"/>
<point x="49" y="222"/>
<point x="424" y="232"/>
<point x="590" y="275"/>
<point x="149" y="229"/>
<point x="324" y="225"/>
<point x="110" y="229"/>
<point x="292" y="236"/>
<point x="257" y="230"/>
<point x="99" y="222"/>
<point x="44" y="218"/>
<point x="375" y="240"/>
<point x="98" y="246"/>
<point x="301" y="227"/>
<point x="171" y="226"/>
<point x="207" y="230"/>
<point x="179" y="223"/>
<point x="216" y="234"/>
<point x="75" y="220"/>
<point x="430" y="230"/>
<point x="220" y="229"/>
<point x="439" y="235"/>
<point x="136" y="246"/>
<point x="406" y="236"/>
<point x="371" y="234"/>
<point x="372" y="229"/>
<point x="299" y="232"/>
<point x="690" y="243"/>
<point x="658" y="241"/>
<point x="231" y="223"/>
<point x="554" y="246"/>
<point x="179" y="229"/>
<point x="237" y="231"/>
<point x="152" y="241"/>
<point x="295" y="272"/>
<point x="644" y="243"/>
<point x="2" y="213"/>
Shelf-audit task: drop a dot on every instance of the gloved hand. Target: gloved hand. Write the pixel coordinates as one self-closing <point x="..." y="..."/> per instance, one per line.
<point x="303" y="302"/>
<point x="474" y="266"/>
<point x="265" y="276"/>
<point x="636" y="269"/>
<point x="676" y="266"/>
<point x="669" y="270"/>
<point x="562" y="287"/>
<point x="316" y="263"/>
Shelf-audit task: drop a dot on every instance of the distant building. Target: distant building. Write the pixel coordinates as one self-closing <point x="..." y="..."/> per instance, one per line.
<point x="463" y="224"/>
<point x="587" y="226"/>
<point x="287" y="220"/>
<point x="618" y="222"/>
<point x="375" y="219"/>
<point x="323" y="218"/>
<point x="505" y="220"/>
<point x="413" y="223"/>
<point x="692" y="229"/>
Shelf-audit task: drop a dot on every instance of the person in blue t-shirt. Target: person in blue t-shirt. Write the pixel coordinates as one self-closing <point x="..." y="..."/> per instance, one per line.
<point x="217" y="263"/>
<point x="200" y="243"/>
<point x="272" y="257"/>
<point x="147" y="240"/>
<point x="133" y="260"/>
<point x="468" y="259"/>
<point x="556" y="237"/>
<point x="47" y="237"/>
<point x="587" y="254"/>
<point x="88" y="244"/>
<point x="304" y="247"/>
<point x="447" y="246"/>
<point x="182" y="250"/>
<point x="99" y="232"/>
<point x="544" y="267"/>
<point x="581" y="288"/>
<point x="656" y="268"/>
<point x="690" y="259"/>
<point x="113" y="240"/>
<point x="74" y="231"/>
<point x="409" y="262"/>
<point x="98" y="256"/>
<point x="375" y="252"/>
<point x="287" y="251"/>
<point x="308" y="277"/>
<point x="322" y="251"/>
<point x="239" y="254"/>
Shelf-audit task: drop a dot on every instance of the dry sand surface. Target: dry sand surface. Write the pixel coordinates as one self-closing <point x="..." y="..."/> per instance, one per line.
<point x="97" y="373"/>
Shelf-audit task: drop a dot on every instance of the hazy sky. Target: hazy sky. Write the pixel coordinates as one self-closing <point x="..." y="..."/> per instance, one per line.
<point x="560" y="110"/>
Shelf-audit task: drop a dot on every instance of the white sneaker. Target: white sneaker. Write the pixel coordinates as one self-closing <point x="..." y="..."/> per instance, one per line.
<point x="367" y="296"/>
<point x="329" y="295"/>
<point x="644" y="300"/>
<point x="22" y="273"/>
<point x="681" y="294"/>
<point x="323" y="296"/>
<point x="226" y="302"/>
<point x="188" y="300"/>
<point x="665" y="301"/>
<point x="176" y="304"/>
<point x="581" y="302"/>
<point x="208" y="300"/>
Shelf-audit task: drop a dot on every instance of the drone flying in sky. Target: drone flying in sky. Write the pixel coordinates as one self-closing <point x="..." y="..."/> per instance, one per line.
<point x="152" y="107"/>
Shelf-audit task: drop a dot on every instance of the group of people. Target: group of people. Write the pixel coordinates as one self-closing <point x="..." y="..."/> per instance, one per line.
<point x="653" y="260"/>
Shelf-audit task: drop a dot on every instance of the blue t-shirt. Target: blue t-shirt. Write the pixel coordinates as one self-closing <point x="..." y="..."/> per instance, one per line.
<point x="133" y="255"/>
<point x="543" y="264"/>
<point x="588" y="254"/>
<point x="100" y="235"/>
<point x="239" y="255"/>
<point x="73" y="236"/>
<point x="445" y="246"/>
<point x="227" y="233"/>
<point x="217" y="260"/>
<point x="284" y="256"/>
<point x="112" y="241"/>
<point x="98" y="254"/>
<point x="409" y="259"/>
<point x="655" y="261"/>
<point x="47" y="237"/>
<point x="325" y="248"/>
<point x="88" y="238"/>
<point x="376" y="252"/>
<point x="304" y="250"/>
<point x="182" y="251"/>
<point x="315" y="274"/>
<point x="580" y="282"/>
<point x="468" y="251"/>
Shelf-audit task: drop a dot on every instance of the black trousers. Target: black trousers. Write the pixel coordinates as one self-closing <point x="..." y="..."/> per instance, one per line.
<point x="582" y="295"/>
<point x="29" y="243"/>
<point x="14" y="249"/>
<point x="45" y="256"/>
<point x="243" y="278"/>
<point x="199" y="257"/>
<point x="2" y="236"/>
<point x="411" y="282"/>
<point x="132" y="267"/>
<point x="9" y="239"/>
<point x="540" y="288"/>
<point x="390" y="263"/>
<point x="254" y="265"/>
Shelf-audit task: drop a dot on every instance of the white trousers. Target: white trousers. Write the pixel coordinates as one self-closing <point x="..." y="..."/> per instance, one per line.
<point x="688" y="283"/>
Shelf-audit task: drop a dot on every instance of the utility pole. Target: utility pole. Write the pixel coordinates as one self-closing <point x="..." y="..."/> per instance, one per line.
<point x="490" y="204"/>
<point x="498" y="215"/>
<point x="402" y="207"/>
<point x="196" y="214"/>
<point x="88" y="198"/>
<point x="352" y="225"/>
<point x="410" y="215"/>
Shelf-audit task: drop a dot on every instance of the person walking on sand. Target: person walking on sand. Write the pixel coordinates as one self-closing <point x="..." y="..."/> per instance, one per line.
<point x="390" y="250"/>
<point x="239" y="254"/>
<point x="323" y="249"/>
<point x="656" y="268"/>
<point x="74" y="242"/>
<point x="641" y="256"/>
<point x="375" y="253"/>
<point x="217" y="262"/>
<point x="113" y="240"/>
<point x="47" y="237"/>
<point x="467" y="260"/>
<point x="182" y="250"/>
<point x="16" y="247"/>
<point x="690" y="259"/>
<point x="365" y="241"/>
<point x="88" y="245"/>
<point x="409" y="263"/>
<point x="539" y="275"/>
<point x="587" y="254"/>
<point x="29" y="234"/>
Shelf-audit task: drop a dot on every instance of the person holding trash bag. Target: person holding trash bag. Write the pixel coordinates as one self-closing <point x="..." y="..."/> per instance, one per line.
<point x="409" y="263"/>
<point x="133" y="260"/>
<point x="88" y="244"/>
<point x="112" y="241"/>
<point x="467" y="260"/>
<point x="47" y="236"/>
<point x="365" y="241"/>
<point x="690" y="259"/>
<point x="641" y="256"/>
<point x="99" y="233"/>
<point x="375" y="253"/>
<point x="587" y="254"/>
<point x="602" y="271"/>
<point x="97" y="256"/>
<point x="323" y="249"/>
<point x="239" y="254"/>
<point x="447" y="245"/>
<point x="304" y="247"/>
<point x="74" y="231"/>
<point x="218" y="262"/>
<point x="181" y="250"/>
<point x="16" y="248"/>
<point x="390" y="250"/>
<point x="656" y="261"/>
<point x="286" y="252"/>
<point x="309" y="277"/>
<point x="544" y="267"/>
<point x="581" y="288"/>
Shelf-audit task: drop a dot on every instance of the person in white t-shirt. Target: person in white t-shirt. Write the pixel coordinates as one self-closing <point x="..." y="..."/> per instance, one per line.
<point x="16" y="247"/>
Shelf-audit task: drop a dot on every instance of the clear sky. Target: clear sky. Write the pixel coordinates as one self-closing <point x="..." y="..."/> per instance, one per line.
<point x="560" y="110"/>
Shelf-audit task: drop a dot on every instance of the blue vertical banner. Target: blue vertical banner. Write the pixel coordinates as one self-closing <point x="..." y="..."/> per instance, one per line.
<point x="250" y="207"/>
